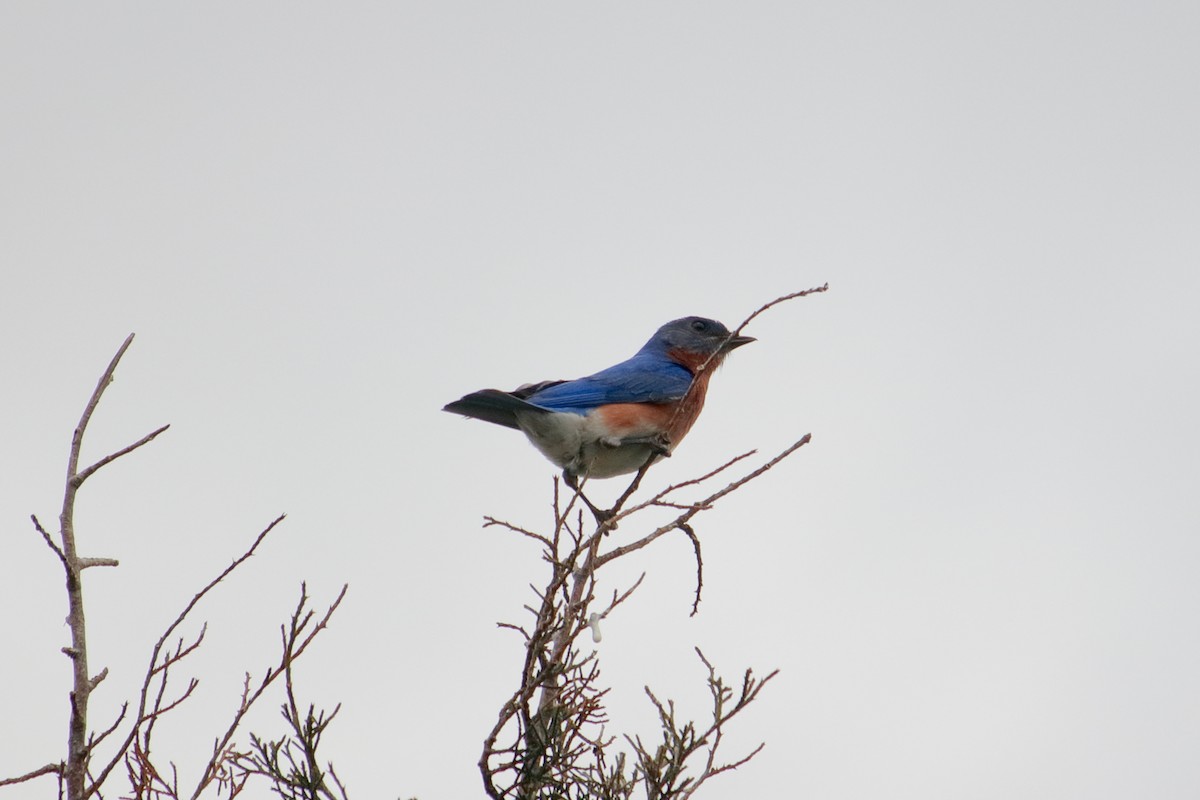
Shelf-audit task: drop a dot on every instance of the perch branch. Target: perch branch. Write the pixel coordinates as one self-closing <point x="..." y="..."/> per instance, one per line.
<point x="707" y="502"/>
<point x="554" y="745"/>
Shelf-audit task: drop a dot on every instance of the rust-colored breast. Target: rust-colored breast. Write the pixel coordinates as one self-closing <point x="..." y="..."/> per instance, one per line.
<point x="689" y="407"/>
<point x="635" y="419"/>
<point x="649" y="419"/>
<point x="675" y="418"/>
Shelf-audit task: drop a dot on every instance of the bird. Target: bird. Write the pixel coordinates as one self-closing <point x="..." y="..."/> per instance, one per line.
<point x="620" y="419"/>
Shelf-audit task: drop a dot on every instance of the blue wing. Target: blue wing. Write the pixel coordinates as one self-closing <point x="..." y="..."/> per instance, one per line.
<point x="644" y="378"/>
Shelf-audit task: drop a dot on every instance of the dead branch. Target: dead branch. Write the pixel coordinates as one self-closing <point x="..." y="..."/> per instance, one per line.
<point x="75" y="774"/>
<point x="50" y="542"/>
<point x="86" y="473"/>
<point x="671" y="769"/>
<point x="537" y="537"/>
<point x="48" y="769"/>
<point x="155" y="667"/>
<point x="706" y="503"/>
<point x="691" y="534"/>
<point x="301" y="777"/>
<point x="94" y="740"/>
<point x="777" y="301"/>
<point x="660" y="498"/>
<point x="79" y="745"/>
<point x="296" y="640"/>
<point x="721" y="694"/>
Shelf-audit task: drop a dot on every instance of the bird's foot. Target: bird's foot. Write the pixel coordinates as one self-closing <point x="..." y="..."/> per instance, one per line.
<point x="603" y="516"/>
<point x="658" y="443"/>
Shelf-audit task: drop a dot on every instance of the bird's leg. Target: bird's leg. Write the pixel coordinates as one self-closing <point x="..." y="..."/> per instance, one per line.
<point x="659" y="445"/>
<point x="633" y="486"/>
<point x="602" y="515"/>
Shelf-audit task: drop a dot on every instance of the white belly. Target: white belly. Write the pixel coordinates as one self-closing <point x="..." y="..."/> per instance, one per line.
<point x="577" y="444"/>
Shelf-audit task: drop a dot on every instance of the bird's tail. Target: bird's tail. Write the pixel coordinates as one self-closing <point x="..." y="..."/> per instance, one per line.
<point x="492" y="405"/>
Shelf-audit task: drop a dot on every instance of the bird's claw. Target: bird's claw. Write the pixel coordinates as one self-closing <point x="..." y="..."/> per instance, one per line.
<point x="603" y="515"/>
<point x="658" y="443"/>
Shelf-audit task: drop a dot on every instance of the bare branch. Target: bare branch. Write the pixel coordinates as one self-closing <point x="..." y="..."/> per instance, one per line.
<point x="75" y="773"/>
<point x="76" y="770"/>
<point x="78" y="480"/>
<point x="50" y="543"/>
<point x="550" y="751"/>
<point x="84" y="563"/>
<point x="751" y="687"/>
<point x="152" y="669"/>
<point x="660" y="498"/>
<point x="492" y="521"/>
<point x="182" y="652"/>
<point x="618" y="599"/>
<point x="90" y="408"/>
<point x="803" y="440"/>
<point x="48" y="769"/>
<point x="159" y="710"/>
<point x="777" y="301"/>
<point x="95" y="741"/>
<point x="695" y="509"/>
<point x="691" y="534"/>
<point x="519" y="629"/>
<point x="95" y="681"/>
<point x="301" y="777"/>
<point x="296" y="641"/>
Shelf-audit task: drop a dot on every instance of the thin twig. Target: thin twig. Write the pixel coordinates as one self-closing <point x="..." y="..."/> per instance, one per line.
<point x="158" y="646"/>
<point x="50" y="542"/>
<point x="290" y="655"/>
<point x="777" y="301"/>
<point x="90" y="408"/>
<point x="492" y="521"/>
<point x="658" y="499"/>
<point x="48" y="769"/>
<point x="163" y="670"/>
<point x="96" y="740"/>
<point x="691" y="534"/>
<point x="707" y="502"/>
<point x="87" y="473"/>
<point x="160" y="710"/>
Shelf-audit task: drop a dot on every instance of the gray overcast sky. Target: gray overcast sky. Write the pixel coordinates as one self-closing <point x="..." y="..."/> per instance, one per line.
<point x="326" y="220"/>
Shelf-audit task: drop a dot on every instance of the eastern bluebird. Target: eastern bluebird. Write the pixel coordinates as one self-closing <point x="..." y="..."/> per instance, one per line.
<point x="615" y="421"/>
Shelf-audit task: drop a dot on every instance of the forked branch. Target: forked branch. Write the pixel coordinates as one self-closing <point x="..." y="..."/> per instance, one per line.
<point x="75" y="769"/>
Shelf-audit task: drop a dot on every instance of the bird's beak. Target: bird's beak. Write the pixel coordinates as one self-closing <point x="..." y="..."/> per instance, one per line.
<point x="736" y="342"/>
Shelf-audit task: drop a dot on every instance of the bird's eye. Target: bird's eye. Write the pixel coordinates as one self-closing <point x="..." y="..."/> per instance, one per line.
<point x="699" y="325"/>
